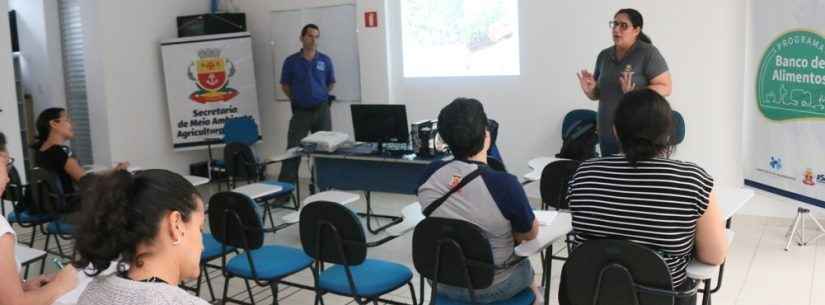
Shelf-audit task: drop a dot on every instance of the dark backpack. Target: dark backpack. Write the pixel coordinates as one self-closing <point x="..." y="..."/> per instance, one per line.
<point x="579" y="141"/>
<point x="44" y="194"/>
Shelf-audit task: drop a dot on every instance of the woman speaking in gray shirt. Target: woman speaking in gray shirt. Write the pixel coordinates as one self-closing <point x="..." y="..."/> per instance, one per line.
<point x="632" y="62"/>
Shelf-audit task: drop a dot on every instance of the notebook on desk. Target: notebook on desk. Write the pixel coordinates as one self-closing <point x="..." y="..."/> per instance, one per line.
<point x="545" y="218"/>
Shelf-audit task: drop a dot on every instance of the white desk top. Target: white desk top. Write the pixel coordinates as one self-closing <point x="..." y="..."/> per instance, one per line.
<point x="196" y="180"/>
<point x="701" y="271"/>
<point x="732" y="199"/>
<point x="295" y="152"/>
<point x="533" y="190"/>
<point x="343" y="198"/>
<point x="553" y="225"/>
<point x="25" y="255"/>
<point x="412" y="215"/>
<point x="257" y="190"/>
<point x="332" y="196"/>
<point x="537" y="166"/>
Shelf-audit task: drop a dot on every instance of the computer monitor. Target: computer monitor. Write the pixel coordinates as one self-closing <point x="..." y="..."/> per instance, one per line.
<point x="380" y="123"/>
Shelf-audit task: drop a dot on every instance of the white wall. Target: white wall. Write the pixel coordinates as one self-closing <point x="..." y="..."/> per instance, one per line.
<point x="275" y="114"/>
<point x="705" y="56"/>
<point x="9" y="122"/>
<point x="129" y="114"/>
<point x="557" y="39"/>
<point x="38" y="27"/>
<point x="560" y="38"/>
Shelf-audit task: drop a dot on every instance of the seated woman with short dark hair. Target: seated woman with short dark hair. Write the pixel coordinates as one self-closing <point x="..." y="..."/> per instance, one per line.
<point x="645" y="197"/>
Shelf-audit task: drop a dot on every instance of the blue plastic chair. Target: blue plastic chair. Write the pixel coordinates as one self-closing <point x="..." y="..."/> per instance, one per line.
<point x="234" y="222"/>
<point x="242" y="130"/>
<point x="332" y="233"/>
<point x="212" y="249"/>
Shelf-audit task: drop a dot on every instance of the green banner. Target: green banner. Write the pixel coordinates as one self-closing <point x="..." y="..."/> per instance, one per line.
<point x="790" y="83"/>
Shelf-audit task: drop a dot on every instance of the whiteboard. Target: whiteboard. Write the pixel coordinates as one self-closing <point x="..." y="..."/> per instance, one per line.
<point x="338" y="41"/>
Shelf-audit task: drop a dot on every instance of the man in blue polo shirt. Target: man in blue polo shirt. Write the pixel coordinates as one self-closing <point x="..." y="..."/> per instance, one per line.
<point x="307" y="78"/>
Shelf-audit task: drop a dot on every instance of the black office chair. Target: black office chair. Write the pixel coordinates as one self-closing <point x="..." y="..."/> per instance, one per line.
<point x="456" y="253"/>
<point x="332" y="233"/>
<point x="554" y="183"/>
<point x="47" y="193"/>
<point x="24" y="212"/>
<point x="235" y="223"/>
<point x="241" y="164"/>
<point x="553" y="186"/>
<point x="494" y="153"/>
<point x="607" y="272"/>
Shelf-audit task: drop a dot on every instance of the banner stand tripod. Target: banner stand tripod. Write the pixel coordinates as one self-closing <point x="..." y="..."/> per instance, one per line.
<point x="801" y="215"/>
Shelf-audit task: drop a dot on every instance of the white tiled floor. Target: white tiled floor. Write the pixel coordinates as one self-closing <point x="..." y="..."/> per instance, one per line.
<point x="758" y="271"/>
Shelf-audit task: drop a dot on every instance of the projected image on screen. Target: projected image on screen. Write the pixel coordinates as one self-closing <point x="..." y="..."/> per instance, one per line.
<point x="460" y="37"/>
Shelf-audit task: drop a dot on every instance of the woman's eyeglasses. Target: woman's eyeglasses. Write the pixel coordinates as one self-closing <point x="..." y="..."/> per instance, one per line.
<point x="622" y="25"/>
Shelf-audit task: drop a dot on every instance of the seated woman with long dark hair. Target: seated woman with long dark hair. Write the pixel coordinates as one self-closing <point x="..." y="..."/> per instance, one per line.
<point x="645" y="197"/>
<point x="54" y="130"/>
<point x="150" y="225"/>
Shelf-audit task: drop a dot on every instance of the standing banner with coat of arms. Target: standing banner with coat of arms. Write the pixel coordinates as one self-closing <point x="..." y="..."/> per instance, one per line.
<point x="209" y="79"/>
<point x="785" y="100"/>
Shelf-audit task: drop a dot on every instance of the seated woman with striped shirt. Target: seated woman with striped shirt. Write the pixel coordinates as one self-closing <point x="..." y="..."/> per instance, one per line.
<point x="644" y="197"/>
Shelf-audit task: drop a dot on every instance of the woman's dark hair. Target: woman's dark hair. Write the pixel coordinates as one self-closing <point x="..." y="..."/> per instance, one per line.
<point x="462" y="125"/>
<point x="2" y="142"/>
<point x="644" y="125"/>
<point x="43" y="125"/>
<point x="637" y="21"/>
<point x="122" y="210"/>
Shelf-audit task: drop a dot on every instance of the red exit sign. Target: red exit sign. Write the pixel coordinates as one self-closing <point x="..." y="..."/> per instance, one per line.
<point x="371" y="19"/>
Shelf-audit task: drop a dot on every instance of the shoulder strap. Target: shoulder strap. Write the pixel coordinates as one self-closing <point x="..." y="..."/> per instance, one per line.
<point x="437" y="203"/>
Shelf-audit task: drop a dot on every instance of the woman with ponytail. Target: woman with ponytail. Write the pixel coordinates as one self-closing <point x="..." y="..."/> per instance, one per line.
<point x="631" y="63"/>
<point x="54" y="129"/>
<point x="646" y="197"/>
<point x="148" y="224"/>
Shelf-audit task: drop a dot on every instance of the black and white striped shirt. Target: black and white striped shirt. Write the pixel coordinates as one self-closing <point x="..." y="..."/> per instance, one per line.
<point x="655" y="204"/>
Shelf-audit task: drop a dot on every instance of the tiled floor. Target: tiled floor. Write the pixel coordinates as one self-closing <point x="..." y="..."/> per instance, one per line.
<point x="758" y="272"/>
